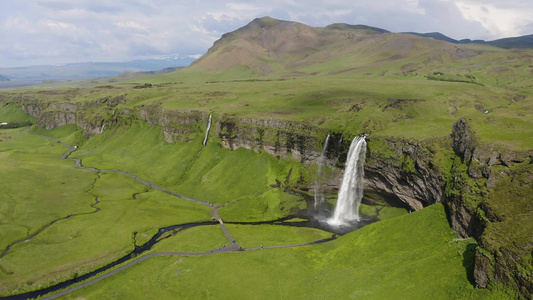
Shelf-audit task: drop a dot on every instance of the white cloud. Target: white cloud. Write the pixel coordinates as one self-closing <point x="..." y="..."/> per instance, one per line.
<point x="133" y="25"/>
<point x="55" y="31"/>
<point x="499" y="18"/>
<point x="236" y="11"/>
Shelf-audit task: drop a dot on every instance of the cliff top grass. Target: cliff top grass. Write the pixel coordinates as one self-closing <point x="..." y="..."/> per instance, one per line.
<point x="396" y="103"/>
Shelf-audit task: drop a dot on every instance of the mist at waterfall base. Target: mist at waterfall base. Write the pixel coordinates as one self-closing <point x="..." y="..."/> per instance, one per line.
<point x="345" y="217"/>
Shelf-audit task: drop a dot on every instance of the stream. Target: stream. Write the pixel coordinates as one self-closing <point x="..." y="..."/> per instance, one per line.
<point x="305" y="218"/>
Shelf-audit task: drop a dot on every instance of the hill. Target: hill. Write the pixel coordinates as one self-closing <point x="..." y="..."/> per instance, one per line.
<point x="270" y="47"/>
<point x="525" y="41"/>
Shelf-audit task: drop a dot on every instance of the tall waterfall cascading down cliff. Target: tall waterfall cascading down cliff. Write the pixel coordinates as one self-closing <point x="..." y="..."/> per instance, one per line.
<point x="351" y="191"/>
<point x="319" y="182"/>
<point x="207" y="130"/>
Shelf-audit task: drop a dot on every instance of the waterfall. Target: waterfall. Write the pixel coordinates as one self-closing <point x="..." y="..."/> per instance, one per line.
<point x="351" y="191"/>
<point x="207" y="131"/>
<point x="319" y="182"/>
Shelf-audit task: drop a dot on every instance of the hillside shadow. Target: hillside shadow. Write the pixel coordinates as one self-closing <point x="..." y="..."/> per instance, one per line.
<point x="468" y="261"/>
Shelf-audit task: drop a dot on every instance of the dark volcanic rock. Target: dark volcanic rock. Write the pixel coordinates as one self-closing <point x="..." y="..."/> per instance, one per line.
<point x="283" y="139"/>
<point x="488" y="199"/>
<point x="410" y="175"/>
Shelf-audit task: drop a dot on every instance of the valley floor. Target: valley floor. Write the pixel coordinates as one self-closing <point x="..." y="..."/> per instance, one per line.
<point x="412" y="256"/>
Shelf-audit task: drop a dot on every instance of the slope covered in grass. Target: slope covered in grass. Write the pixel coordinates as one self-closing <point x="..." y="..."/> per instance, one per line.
<point x="11" y="113"/>
<point x="391" y="259"/>
<point x="205" y="173"/>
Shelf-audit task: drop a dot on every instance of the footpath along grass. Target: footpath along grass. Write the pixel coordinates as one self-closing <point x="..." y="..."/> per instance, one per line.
<point x="415" y="256"/>
<point x="196" y="239"/>
<point x="69" y="134"/>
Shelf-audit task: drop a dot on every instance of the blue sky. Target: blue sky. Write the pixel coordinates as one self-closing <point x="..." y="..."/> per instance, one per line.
<point x="64" y="31"/>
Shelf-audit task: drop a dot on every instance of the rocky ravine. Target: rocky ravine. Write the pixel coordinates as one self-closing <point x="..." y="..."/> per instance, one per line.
<point x="408" y="171"/>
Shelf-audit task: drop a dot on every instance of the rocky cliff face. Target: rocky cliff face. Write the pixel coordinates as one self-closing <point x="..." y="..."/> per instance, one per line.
<point x="489" y="198"/>
<point x="53" y="115"/>
<point x="409" y="174"/>
<point x="181" y="124"/>
<point x="413" y="181"/>
<point x="282" y="139"/>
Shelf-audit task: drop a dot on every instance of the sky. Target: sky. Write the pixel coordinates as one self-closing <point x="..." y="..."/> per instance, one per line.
<point x="36" y="32"/>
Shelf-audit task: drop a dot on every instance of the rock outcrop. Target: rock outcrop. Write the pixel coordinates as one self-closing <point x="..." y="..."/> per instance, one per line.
<point x="53" y="115"/>
<point x="282" y="139"/>
<point x="183" y="124"/>
<point x="488" y="199"/>
<point x="410" y="175"/>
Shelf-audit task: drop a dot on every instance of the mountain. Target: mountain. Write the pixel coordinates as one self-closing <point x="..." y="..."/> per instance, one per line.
<point x="3" y="78"/>
<point x="267" y="46"/>
<point x="435" y="35"/>
<point x="525" y="41"/>
<point x="92" y="69"/>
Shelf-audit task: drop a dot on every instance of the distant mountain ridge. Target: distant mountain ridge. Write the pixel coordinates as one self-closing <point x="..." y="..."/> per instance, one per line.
<point x="92" y="69"/>
<point x="525" y="41"/>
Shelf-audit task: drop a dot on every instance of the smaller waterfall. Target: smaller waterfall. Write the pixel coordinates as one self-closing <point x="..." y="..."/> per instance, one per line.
<point x="207" y="131"/>
<point x="351" y="191"/>
<point x="319" y="182"/>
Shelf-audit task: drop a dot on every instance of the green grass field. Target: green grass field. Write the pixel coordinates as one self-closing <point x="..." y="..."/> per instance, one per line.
<point x="386" y="260"/>
<point x="328" y="101"/>
<point x="187" y="168"/>
<point x="410" y="257"/>
<point x="39" y="188"/>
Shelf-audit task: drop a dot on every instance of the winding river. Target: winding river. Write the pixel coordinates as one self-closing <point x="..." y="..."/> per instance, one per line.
<point x="134" y="257"/>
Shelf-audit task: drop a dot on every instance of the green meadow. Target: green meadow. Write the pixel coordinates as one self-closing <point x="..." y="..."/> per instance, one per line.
<point x="60" y="221"/>
<point x="498" y="107"/>
<point x="187" y="168"/>
<point x="401" y="256"/>
<point x="393" y="259"/>
<point x="84" y="219"/>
